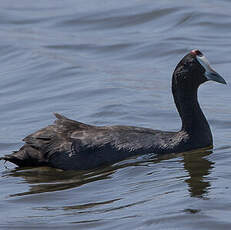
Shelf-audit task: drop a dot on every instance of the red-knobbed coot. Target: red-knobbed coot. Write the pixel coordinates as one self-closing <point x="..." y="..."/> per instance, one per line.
<point x="71" y="145"/>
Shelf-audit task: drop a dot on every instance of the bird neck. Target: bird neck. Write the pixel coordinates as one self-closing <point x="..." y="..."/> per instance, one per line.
<point x="193" y="119"/>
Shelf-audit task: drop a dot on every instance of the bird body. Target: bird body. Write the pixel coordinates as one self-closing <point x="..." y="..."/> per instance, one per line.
<point x="69" y="144"/>
<point x="72" y="145"/>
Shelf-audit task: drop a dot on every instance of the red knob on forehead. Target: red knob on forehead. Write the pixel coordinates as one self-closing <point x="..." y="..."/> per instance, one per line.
<point x="197" y="52"/>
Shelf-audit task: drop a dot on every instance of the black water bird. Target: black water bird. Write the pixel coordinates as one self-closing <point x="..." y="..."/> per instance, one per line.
<point x="71" y="145"/>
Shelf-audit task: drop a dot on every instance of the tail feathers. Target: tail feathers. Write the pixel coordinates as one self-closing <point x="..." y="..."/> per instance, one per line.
<point x="14" y="159"/>
<point x="26" y="156"/>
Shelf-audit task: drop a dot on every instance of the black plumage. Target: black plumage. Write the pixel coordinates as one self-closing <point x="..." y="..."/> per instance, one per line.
<point x="71" y="145"/>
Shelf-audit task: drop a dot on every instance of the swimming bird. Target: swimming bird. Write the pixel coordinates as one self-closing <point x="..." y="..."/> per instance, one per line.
<point x="72" y="145"/>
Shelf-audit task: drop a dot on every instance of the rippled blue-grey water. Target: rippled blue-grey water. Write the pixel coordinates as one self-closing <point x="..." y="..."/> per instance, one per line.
<point x="103" y="63"/>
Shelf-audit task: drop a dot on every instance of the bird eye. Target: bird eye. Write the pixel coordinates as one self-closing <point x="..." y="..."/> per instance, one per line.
<point x="188" y="64"/>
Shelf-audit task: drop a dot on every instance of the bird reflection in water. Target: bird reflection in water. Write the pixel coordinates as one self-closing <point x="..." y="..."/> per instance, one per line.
<point x="198" y="166"/>
<point x="46" y="179"/>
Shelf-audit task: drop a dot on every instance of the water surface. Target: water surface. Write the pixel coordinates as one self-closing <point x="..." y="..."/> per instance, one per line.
<point x="105" y="63"/>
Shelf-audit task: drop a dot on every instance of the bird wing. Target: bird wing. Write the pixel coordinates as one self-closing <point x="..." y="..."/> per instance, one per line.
<point x="55" y="137"/>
